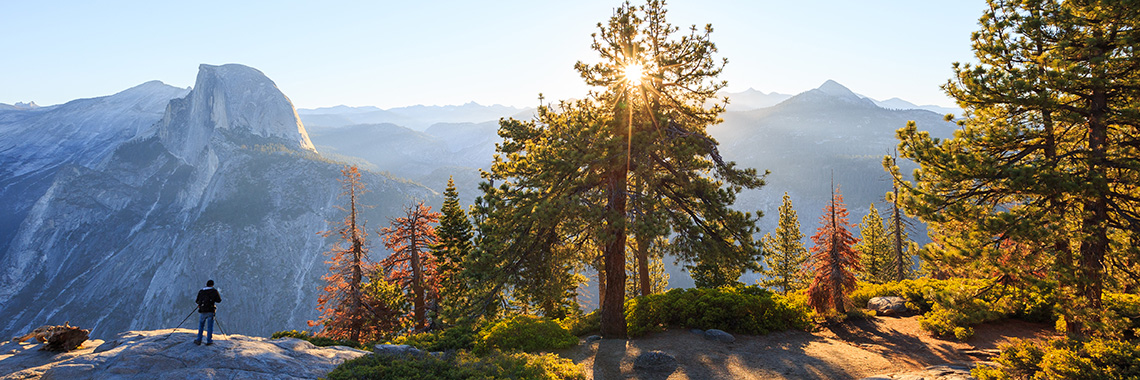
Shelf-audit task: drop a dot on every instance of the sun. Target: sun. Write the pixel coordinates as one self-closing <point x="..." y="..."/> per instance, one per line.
<point x="633" y="72"/>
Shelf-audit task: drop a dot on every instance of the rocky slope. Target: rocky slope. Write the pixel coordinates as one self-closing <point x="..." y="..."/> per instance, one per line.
<point x="224" y="186"/>
<point x="170" y="354"/>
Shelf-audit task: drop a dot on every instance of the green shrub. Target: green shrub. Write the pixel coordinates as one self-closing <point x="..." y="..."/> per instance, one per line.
<point x="454" y="338"/>
<point x="461" y="365"/>
<point x="1065" y="359"/>
<point x="524" y="333"/>
<point x="746" y="310"/>
<point x="951" y="306"/>
<point x="580" y="325"/>
<point x="321" y="341"/>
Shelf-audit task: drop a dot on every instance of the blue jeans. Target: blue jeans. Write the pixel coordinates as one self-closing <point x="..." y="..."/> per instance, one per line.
<point x="202" y="321"/>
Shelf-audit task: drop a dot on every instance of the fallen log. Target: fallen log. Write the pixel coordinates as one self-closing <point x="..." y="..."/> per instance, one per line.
<point x="57" y="338"/>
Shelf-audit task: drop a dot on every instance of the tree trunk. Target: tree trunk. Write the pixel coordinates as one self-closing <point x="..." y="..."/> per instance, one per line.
<point x="417" y="277"/>
<point x="1091" y="282"/>
<point x="643" y="265"/>
<point x="613" y="315"/>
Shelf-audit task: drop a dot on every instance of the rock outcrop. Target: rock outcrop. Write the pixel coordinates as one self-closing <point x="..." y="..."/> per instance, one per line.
<point x="171" y="354"/>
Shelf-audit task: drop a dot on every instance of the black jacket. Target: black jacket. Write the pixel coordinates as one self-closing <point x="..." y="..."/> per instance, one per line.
<point x="207" y="297"/>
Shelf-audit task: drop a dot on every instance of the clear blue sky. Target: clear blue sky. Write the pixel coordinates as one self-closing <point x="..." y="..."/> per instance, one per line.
<point x="391" y="54"/>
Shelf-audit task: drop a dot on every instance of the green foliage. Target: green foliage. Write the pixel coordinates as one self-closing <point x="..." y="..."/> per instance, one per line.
<point x="874" y="249"/>
<point x="580" y="325"/>
<point x="524" y="333"/>
<point x="454" y="338"/>
<point x="461" y="365"/>
<point x="321" y="341"/>
<point x="747" y="310"/>
<point x="784" y="254"/>
<point x="1065" y="359"/>
<point x="452" y="248"/>
<point x="952" y="306"/>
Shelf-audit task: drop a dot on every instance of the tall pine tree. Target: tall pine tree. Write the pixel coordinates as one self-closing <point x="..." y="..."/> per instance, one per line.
<point x="567" y="175"/>
<point x="785" y="254"/>
<point x="453" y="248"/>
<point x="833" y="262"/>
<point x="875" y="254"/>
<point x="411" y="264"/>
<point x="1046" y="156"/>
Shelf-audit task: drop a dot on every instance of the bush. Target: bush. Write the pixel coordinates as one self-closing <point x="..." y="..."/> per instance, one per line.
<point x="580" y="325"/>
<point x="746" y="310"/>
<point x="952" y="306"/>
<point x="454" y="338"/>
<point x="524" y="333"/>
<point x="321" y="341"/>
<point x="461" y="365"/>
<point x="1065" y="359"/>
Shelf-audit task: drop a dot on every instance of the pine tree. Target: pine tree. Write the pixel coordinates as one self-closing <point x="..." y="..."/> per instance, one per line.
<point x="347" y="310"/>
<point x="454" y="246"/>
<point x="411" y="264"/>
<point x="833" y="262"/>
<point x="875" y="254"/>
<point x="1046" y="154"/>
<point x="567" y="175"/>
<point x="900" y="259"/>
<point x="785" y="254"/>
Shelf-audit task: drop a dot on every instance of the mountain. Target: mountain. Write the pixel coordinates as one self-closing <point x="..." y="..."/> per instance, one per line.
<point x="223" y="184"/>
<point x="418" y="117"/>
<point x="816" y="137"/>
<point x="39" y="141"/>
<point x="751" y="99"/>
<point x="899" y="104"/>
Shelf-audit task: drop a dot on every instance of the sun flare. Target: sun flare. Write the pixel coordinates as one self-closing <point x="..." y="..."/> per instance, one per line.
<point x="633" y="73"/>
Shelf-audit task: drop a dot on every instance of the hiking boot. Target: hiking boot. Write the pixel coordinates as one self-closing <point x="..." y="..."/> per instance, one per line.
<point x="209" y="343"/>
<point x="197" y="342"/>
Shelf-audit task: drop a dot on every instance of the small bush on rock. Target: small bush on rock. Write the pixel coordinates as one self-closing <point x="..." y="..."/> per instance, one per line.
<point x="745" y="310"/>
<point x="460" y="365"/>
<point x="524" y="333"/>
<point x="454" y="338"/>
<point x="321" y="341"/>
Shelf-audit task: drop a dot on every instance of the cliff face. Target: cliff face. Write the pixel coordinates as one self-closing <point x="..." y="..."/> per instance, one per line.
<point x="224" y="186"/>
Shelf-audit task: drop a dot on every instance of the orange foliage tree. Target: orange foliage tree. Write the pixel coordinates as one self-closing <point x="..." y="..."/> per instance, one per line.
<point x="833" y="260"/>
<point x="411" y="265"/>
<point x="348" y="309"/>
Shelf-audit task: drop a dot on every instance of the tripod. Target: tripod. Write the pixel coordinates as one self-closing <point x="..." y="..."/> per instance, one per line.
<point x="180" y="323"/>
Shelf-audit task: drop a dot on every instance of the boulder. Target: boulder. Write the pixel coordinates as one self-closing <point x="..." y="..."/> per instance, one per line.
<point x="396" y="350"/>
<point x="719" y="335"/>
<point x="593" y="338"/>
<point x="655" y="362"/>
<point x="887" y="305"/>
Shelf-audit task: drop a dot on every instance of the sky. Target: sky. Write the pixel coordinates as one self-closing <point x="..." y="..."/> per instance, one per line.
<point x="393" y="54"/>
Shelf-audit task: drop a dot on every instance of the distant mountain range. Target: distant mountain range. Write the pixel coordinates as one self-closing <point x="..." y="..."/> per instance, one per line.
<point x="752" y="99"/>
<point x="114" y="210"/>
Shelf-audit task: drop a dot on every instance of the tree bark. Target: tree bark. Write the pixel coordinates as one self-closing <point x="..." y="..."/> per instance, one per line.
<point x="643" y="265"/>
<point x="613" y="316"/>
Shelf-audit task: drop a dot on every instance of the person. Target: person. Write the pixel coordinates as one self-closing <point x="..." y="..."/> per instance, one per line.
<point x="207" y="297"/>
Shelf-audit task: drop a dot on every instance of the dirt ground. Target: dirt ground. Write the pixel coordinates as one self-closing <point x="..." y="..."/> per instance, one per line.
<point x="851" y="350"/>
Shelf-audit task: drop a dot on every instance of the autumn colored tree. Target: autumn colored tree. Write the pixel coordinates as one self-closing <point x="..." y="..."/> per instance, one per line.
<point x="784" y="254"/>
<point x="1046" y="155"/>
<point x="833" y="262"/>
<point x="453" y="247"/>
<point x="875" y="254"/>
<point x="411" y="264"/>
<point x="348" y="310"/>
